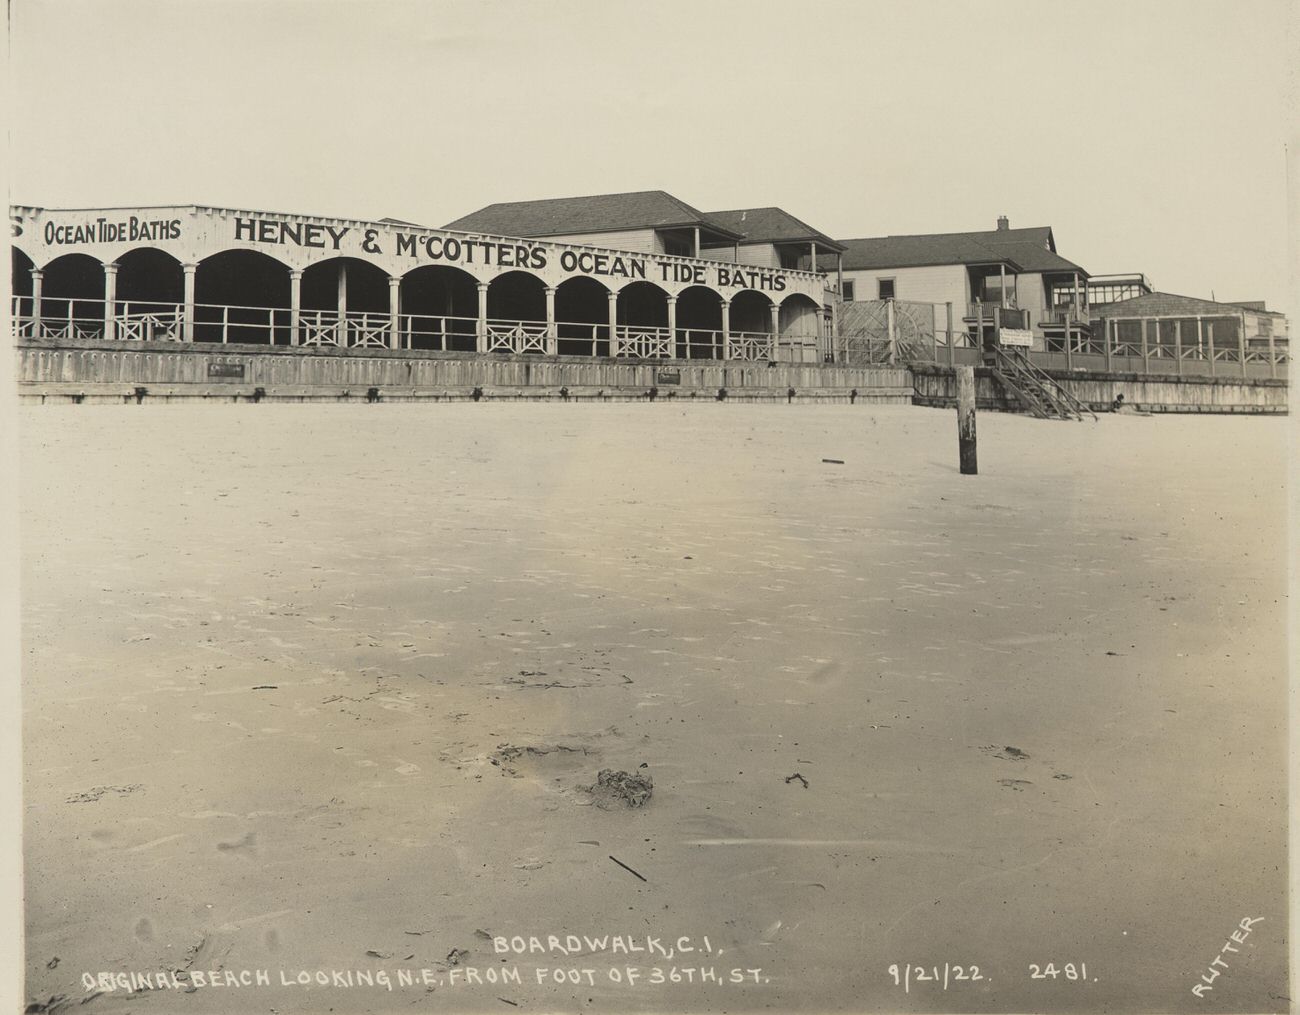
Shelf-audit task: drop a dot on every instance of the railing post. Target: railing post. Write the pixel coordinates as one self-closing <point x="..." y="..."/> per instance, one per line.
<point x="613" y="323"/>
<point x="726" y="329"/>
<point x="1146" y="349"/>
<point x="187" y="322"/>
<point x="1178" y="345"/>
<point x="1209" y="348"/>
<point x="552" y="335"/>
<point x="890" y="325"/>
<point x="295" y="306"/>
<point x="672" y="327"/>
<point x="952" y="338"/>
<point x="1241" y="343"/>
<point x="773" y="352"/>
<point x="110" y="299"/>
<point x="394" y="312"/>
<point x="481" y="340"/>
<point x="225" y="324"/>
<point x="37" y="276"/>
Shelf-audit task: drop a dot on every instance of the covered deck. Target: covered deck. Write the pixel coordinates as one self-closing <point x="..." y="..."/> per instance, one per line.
<point x="223" y="276"/>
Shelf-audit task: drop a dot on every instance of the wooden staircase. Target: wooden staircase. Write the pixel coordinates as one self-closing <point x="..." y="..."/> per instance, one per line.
<point x="1037" y="392"/>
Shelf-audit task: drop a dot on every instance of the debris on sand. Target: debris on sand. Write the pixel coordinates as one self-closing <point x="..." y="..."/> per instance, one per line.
<point x="1062" y="775"/>
<point x="791" y="778"/>
<point x="628" y="869"/>
<point x="1016" y="784"/>
<point x="621" y="787"/>
<point x="91" y="795"/>
<point x="1008" y="753"/>
<point x="455" y="956"/>
<point x="378" y="954"/>
<point x="507" y="756"/>
<point x="833" y="461"/>
<point x="55" y="1003"/>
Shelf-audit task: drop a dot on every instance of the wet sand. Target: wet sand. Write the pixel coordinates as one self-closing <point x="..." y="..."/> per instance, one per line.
<point x="273" y="652"/>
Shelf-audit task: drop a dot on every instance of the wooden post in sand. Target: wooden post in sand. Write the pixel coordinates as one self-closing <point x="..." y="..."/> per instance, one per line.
<point x="966" y="420"/>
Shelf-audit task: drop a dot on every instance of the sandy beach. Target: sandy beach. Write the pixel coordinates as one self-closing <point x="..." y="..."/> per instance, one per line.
<point x="318" y="691"/>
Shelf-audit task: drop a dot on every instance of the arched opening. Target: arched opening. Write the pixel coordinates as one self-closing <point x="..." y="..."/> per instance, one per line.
<point x="149" y="295"/>
<point x="72" y="297"/>
<point x="582" y="317"/>
<point x="800" y="331"/>
<point x="344" y="302"/>
<point x="21" y="279"/>
<point x="21" y="287"/>
<point x="241" y="296"/>
<point x="643" y="322"/>
<point x="751" y="326"/>
<point x="516" y="311"/>
<point x="699" y="323"/>
<point x="439" y="308"/>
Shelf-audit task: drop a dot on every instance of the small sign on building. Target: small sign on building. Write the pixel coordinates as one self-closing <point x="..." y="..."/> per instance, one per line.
<point x="1017" y="337"/>
<point x="668" y="377"/>
<point x="227" y="370"/>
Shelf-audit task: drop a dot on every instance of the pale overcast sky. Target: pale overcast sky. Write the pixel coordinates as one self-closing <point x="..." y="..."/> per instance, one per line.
<point x="1150" y="135"/>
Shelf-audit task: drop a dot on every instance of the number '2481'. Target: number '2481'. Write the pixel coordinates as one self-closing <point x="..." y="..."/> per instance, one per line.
<point x="1049" y="972"/>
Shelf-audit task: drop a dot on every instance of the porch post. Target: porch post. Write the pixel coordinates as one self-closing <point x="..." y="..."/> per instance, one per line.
<point x="295" y="305"/>
<point x="726" y="329"/>
<point x="552" y="335"/>
<point x="187" y="325"/>
<point x="1109" y="326"/>
<point x="394" y="312"/>
<point x="1178" y="345"/>
<point x="481" y="339"/>
<point x="695" y="242"/>
<point x="1002" y="285"/>
<point x="1272" y="354"/>
<point x="1146" y="349"/>
<point x="773" y="352"/>
<point x="110" y="298"/>
<point x="1241" y="343"/>
<point x="1209" y="337"/>
<point x="672" y="327"/>
<point x="613" y="324"/>
<point x="839" y="275"/>
<point x="341" y="334"/>
<point x="812" y="257"/>
<point x="951" y="337"/>
<point x="890" y="325"/>
<point x="37" y="276"/>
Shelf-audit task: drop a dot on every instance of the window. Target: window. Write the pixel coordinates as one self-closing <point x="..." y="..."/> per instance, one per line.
<point x="847" y="293"/>
<point x="886" y="288"/>
<point x="676" y="248"/>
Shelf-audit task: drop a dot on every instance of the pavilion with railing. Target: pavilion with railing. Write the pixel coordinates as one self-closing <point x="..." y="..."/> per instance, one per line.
<point x="213" y="275"/>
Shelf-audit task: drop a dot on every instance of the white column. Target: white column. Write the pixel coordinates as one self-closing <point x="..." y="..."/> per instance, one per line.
<point x="482" y="317"/>
<point x="110" y="299"/>
<point x="37" y="276"/>
<point x="812" y="257"/>
<point x="295" y="306"/>
<point x="613" y="324"/>
<point x="552" y="335"/>
<point x="341" y="336"/>
<point x="394" y="312"/>
<point x="726" y="329"/>
<point x="187" y="325"/>
<point x="774" y="352"/>
<point x="672" y="326"/>
<point x="1241" y="344"/>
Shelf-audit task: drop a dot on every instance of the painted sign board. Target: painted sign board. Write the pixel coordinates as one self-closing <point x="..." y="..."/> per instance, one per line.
<point x="668" y="377"/>
<point x="228" y="370"/>
<point x="1017" y="337"/>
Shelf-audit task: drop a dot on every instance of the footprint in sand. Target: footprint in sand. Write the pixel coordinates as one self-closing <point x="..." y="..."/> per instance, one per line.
<point x="247" y="843"/>
<point x="144" y="929"/>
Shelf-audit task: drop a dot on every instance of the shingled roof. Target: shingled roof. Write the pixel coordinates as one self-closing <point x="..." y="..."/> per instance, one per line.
<point x="1031" y="249"/>
<point x="772" y="225"/>
<point x="1168" y="305"/>
<point x="598" y="213"/>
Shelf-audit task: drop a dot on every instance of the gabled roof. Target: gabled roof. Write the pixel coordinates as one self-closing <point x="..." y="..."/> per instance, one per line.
<point x="1168" y="305"/>
<point x="772" y="225"/>
<point x="599" y="213"/>
<point x="1030" y="249"/>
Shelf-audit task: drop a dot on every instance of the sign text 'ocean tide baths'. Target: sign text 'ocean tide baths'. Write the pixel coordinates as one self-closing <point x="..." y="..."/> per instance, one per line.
<point x="462" y="250"/>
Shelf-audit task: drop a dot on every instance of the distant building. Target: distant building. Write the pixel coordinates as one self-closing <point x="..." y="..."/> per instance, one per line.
<point x="1013" y="269"/>
<point x="1106" y="289"/>
<point x="1165" y="332"/>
